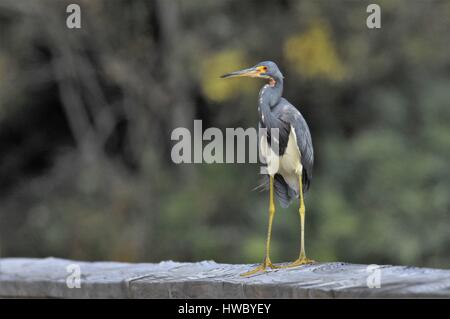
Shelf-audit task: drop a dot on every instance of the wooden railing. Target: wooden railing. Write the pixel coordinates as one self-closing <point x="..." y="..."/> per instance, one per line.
<point x="59" y="278"/>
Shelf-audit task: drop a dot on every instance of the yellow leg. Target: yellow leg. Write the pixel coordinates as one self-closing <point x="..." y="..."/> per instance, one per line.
<point x="266" y="263"/>
<point x="302" y="259"/>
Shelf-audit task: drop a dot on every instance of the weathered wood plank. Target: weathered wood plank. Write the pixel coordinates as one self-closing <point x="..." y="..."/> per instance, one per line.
<point x="24" y="277"/>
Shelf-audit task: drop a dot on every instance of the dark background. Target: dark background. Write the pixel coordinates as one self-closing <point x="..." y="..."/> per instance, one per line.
<point x="86" y="116"/>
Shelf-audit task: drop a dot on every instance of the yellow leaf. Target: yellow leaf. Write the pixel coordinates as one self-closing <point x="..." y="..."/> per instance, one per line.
<point x="313" y="54"/>
<point x="217" y="89"/>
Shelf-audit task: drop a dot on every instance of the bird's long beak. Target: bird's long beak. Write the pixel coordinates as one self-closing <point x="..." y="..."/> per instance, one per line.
<point x="250" y="72"/>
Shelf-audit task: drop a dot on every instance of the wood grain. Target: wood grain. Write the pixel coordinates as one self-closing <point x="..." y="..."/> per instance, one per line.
<point x="46" y="278"/>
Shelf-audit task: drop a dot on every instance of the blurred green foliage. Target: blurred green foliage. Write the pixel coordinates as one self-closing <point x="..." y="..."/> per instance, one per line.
<point x="86" y="117"/>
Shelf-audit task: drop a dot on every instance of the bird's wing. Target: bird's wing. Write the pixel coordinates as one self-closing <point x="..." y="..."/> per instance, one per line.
<point x="289" y="114"/>
<point x="279" y="143"/>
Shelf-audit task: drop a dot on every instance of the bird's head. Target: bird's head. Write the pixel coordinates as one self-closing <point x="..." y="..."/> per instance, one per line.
<point x="265" y="70"/>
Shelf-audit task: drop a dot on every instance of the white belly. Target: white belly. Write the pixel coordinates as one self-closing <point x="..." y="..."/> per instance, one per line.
<point x="289" y="165"/>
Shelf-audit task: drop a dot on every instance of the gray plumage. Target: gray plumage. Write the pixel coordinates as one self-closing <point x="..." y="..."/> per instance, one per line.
<point x="288" y="153"/>
<point x="276" y="112"/>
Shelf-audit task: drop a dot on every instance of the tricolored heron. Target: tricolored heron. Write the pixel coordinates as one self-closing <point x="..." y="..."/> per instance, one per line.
<point x="290" y="163"/>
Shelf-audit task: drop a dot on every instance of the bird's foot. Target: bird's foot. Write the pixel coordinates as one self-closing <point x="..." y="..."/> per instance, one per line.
<point x="260" y="269"/>
<point x="302" y="260"/>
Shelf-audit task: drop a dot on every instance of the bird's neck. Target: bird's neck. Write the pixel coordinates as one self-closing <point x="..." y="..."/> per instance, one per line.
<point x="269" y="96"/>
<point x="276" y="90"/>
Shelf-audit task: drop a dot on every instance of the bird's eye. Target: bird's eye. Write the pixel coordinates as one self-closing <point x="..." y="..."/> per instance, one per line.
<point x="264" y="68"/>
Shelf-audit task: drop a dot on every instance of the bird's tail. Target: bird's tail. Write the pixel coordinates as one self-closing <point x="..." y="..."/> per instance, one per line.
<point x="283" y="193"/>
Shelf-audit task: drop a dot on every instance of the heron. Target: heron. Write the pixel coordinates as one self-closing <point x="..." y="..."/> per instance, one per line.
<point x="289" y="158"/>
